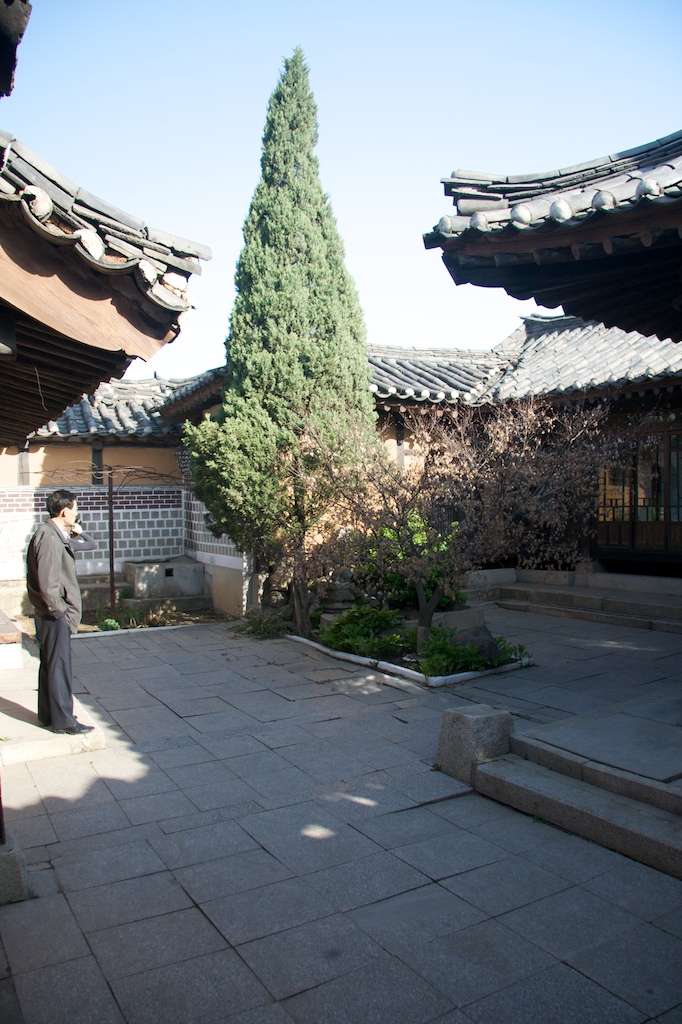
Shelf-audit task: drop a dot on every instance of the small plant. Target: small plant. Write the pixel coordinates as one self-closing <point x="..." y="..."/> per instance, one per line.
<point x="127" y="617"/>
<point x="444" y="658"/>
<point x="106" y="622"/>
<point x="512" y="652"/>
<point x="157" y="618"/>
<point x="266" y="625"/>
<point x="370" y="632"/>
<point x="315" y="618"/>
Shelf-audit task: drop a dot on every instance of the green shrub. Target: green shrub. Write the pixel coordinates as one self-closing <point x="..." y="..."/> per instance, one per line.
<point x="370" y="632"/>
<point x="315" y="618"/>
<point x="444" y="658"/>
<point x="106" y="622"/>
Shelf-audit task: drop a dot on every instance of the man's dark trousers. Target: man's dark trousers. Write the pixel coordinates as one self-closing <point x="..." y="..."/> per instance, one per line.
<point x="55" y="698"/>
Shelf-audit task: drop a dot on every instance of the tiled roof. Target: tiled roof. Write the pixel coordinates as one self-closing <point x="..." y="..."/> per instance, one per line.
<point x="545" y="356"/>
<point x="118" y="409"/>
<point x="434" y="375"/>
<point x="196" y="394"/>
<point x="491" y="204"/>
<point x="107" y="239"/>
<point x="551" y="356"/>
<point x="602" y="239"/>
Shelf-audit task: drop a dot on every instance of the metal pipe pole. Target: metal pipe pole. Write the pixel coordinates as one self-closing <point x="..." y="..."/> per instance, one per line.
<point x="3" y="834"/>
<point x="112" y="582"/>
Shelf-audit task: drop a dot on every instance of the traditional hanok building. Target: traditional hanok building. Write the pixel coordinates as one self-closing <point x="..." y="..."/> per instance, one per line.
<point x="603" y="239"/>
<point x="639" y="525"/>
<point x="139" y="423"/>
<point x="560" y="358"/>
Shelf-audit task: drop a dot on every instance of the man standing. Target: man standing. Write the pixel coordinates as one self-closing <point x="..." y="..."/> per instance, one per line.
<point x="54" y="593"/>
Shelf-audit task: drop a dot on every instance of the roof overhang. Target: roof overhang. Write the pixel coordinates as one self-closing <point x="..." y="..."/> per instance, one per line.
<point x="603" y="239"/>
<point x="63" y="329"/>
<point x="13" y="21"/>
<point x="85" y="288"/>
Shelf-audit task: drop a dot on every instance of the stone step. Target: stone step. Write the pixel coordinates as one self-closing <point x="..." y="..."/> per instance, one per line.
<point x="95" y="591"/>
<point x="641" y="621"/>
<point x="644" y="833"/>
<point x="595" y="773"/>
<point x="167" y="604"/>
<point x="644" y="605"/>
<point x="29" y="742"/>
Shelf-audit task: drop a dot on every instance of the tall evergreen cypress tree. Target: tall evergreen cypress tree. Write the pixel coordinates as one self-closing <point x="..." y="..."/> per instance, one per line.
<point x="296" y="357"/>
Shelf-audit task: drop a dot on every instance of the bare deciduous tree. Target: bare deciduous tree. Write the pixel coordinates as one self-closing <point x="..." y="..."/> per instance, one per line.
<point x="502" y="484"/>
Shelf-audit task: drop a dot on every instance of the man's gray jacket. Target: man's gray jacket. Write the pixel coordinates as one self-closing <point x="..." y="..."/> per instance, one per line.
<point x="51" y="578"/>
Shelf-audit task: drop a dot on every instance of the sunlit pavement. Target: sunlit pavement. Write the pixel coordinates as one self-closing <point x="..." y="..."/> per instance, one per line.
<point x="263" y="841"/>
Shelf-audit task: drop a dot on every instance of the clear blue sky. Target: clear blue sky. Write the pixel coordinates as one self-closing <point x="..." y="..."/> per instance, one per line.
<point x="158" y="107"/>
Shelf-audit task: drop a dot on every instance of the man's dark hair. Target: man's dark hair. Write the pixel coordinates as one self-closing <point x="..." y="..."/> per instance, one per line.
<point x="58" y="500"/>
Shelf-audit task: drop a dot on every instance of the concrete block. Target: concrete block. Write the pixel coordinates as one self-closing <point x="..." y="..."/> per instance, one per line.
<point x="482" y="578"/>
<point x="635" y="584"/>
<point x="470" y="736"/>
<point x="177" y="577"/>
<point x="14" y="879"/>
<point x="549" y="577"/>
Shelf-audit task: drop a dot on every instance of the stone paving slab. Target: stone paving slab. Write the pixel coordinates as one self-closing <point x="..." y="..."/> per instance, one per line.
<point x="632" y="743"/>
<point x="294" y="857"/>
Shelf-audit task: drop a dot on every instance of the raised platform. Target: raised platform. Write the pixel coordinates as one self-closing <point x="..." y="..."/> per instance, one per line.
<point x="22" y="739"/>
<point x="642" y="602"/>
<point x="10" y="643"/>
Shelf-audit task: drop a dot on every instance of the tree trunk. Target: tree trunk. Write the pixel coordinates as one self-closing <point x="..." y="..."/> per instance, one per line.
<point x="425" y="617"/>
<point x="301" y="598"/>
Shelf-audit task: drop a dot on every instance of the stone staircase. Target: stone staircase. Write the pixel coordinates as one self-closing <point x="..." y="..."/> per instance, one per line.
<point x="636" y="811"/>
<point x="645" y="602"/>
<point x="626" y="813"/>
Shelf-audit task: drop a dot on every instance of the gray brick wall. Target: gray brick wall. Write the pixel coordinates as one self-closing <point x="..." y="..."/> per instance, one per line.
<point x="199" y="541"/>
<point x="148" y="523"/>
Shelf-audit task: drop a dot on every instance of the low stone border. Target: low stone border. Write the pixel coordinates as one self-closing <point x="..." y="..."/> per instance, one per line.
<point x="407" y="673"/>
<point x="117" y="632"/>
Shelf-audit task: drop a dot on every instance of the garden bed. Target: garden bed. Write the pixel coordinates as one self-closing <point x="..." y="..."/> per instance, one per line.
<point x="391" y="668"/>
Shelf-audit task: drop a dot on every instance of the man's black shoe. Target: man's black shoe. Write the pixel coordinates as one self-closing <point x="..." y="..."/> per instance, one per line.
<point x="44" y="725"/>
<point x="74" y="730"/>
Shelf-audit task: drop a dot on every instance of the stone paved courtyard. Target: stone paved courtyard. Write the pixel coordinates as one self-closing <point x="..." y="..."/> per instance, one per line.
<point x="264" y="841"/>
